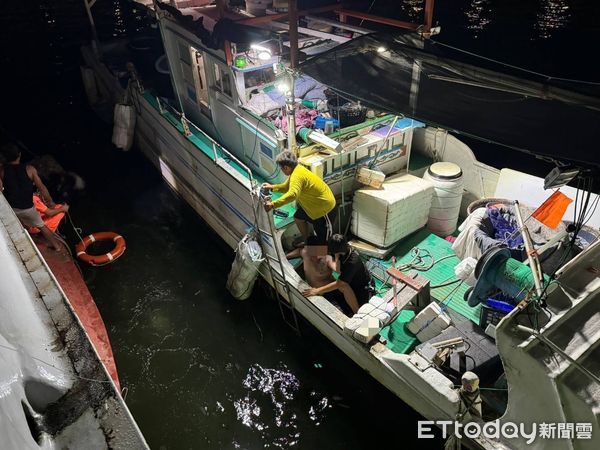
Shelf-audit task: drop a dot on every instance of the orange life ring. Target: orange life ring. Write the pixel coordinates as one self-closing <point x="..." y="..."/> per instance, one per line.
<point x="100" y="260"/>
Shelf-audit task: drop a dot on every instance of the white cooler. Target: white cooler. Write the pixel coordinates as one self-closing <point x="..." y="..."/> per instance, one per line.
<point x="384" y="216"/>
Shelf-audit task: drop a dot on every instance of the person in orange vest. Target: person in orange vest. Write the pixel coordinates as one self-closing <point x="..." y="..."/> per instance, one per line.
<point x="16" y="183"/>
<point x="51" y="216"/>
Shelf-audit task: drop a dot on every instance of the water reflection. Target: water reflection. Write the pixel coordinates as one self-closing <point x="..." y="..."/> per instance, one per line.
<point x="553" y="15"/>
<point x="118" y="19"/>
<point x="272" y="399"/>
<point x="478" y="16"/>
<point x="413" y="9"/>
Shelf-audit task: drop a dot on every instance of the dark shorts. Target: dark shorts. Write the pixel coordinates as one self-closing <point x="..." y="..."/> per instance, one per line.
<point x="321" y="225"/>
<point x="364" y="294"/>
<point x="336" y="298"/>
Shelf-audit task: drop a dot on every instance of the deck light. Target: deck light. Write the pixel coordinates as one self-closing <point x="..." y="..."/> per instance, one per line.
<point x="264" y="54"/>
<point x="559" y="176"/>
<point x="283" y="86"/>
<point x="381" y="49"/>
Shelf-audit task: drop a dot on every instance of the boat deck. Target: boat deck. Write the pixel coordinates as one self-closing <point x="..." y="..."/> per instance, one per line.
<point x="205" y="145"/>
<point x="440" y="274"/>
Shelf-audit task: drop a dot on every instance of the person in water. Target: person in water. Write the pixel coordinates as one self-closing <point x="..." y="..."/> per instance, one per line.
<point x="314" y="199"/>
<point x="354" y="281"/>
<point x="317" y="270"/>
<point x="16" y="182"/>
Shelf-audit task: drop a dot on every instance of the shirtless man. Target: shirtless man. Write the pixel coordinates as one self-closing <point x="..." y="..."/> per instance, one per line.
<point x="317" y="269"/>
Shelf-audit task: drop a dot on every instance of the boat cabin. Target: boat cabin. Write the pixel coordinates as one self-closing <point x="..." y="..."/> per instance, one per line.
<point x="238" y="95"/>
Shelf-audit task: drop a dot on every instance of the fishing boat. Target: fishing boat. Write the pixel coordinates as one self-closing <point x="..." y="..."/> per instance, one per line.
<point x="365" y="109"/>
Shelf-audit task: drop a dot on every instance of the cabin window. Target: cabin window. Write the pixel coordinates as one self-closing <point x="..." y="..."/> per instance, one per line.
<point x="184" y="53"/>
<point x="222" y="80"/>
<point x="266" y="150"/>
<point x="259" y="78"/>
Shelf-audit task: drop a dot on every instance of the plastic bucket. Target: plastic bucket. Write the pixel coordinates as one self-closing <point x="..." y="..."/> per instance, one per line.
<point x="447" y="181"/>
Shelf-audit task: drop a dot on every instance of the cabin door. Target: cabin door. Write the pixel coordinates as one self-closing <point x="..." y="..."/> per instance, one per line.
<point x="200" y="80"/>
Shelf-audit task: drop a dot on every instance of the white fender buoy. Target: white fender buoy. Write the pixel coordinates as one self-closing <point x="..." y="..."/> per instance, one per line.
<point x="244" y="270"/>
<point x="124" y="126"/>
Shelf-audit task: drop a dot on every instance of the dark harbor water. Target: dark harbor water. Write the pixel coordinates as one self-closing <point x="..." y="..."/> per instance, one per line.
<point x="201" y="370"/>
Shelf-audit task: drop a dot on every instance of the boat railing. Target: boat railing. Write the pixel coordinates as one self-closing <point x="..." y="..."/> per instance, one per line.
<point x="219" y="153"/>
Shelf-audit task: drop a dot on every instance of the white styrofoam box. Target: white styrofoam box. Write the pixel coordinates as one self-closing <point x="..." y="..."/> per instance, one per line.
<point x="367" y="330"/>
<point x="371" y="311"/>
<point x="384" y="216"/>
<point x="429" y="323"/>
<point x="384" y="305"/>
<point x="352" y="324"/>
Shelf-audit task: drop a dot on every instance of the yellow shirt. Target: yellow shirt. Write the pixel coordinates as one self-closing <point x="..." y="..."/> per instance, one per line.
<point x="310" y="192"/>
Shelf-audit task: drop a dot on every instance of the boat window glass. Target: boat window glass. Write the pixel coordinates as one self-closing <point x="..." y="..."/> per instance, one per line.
<point x="266" y="150"/>
<point x="184" y="53"/>
<point x="223" y="80"/>
<point x="258" y="78"/>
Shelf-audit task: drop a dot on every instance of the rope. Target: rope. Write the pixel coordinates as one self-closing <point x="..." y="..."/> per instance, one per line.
<point x="77" y="230"/>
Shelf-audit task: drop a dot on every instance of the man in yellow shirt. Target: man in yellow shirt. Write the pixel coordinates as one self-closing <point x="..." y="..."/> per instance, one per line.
<point x="314" y="200"/>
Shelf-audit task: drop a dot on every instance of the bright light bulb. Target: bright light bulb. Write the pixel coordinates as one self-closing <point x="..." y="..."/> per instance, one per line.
<point x="381" y="49"/>
<point x="263" y="53"/>
<point x="264" y="56"/>
<point x="283" y="86"/>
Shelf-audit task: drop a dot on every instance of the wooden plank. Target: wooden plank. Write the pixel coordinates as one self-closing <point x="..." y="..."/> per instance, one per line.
<point x="395" y="273"/>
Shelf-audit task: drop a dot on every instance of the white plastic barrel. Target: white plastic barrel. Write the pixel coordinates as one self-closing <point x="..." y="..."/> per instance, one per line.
<point x="447" y="181"/>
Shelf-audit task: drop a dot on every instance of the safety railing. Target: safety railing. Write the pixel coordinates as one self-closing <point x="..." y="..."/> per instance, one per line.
<point x="219" y="152"/>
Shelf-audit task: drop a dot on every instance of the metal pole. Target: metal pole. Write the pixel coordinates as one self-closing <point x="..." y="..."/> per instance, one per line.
<point x="290" y="111"/>
<point x="428" y="17"/>
<point x="293" y="32"/>
<point x="290" y="97"/>
<point x="88" y="9"/>
<point x="529" y="250"/>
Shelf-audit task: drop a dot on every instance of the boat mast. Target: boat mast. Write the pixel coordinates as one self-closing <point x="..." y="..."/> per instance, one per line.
<point x="290" y="98"/>
<point x="88" y="10"/>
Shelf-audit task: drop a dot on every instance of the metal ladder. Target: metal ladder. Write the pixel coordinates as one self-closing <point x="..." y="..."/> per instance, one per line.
<point x="287" y="308"/>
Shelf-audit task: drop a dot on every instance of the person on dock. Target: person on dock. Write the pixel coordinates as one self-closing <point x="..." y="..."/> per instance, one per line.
<point x="354" y="282"/>
<point x="314" y="199"/>
<point x="317" y="269"/>
<point x="16" y="182"/>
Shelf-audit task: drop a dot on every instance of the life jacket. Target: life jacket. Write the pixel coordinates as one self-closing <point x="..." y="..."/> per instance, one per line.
<point x="51" y="223"/>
